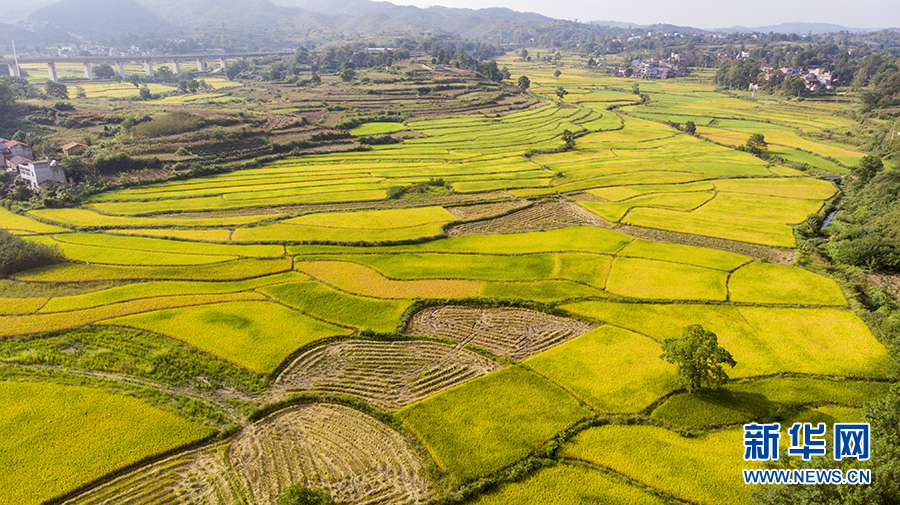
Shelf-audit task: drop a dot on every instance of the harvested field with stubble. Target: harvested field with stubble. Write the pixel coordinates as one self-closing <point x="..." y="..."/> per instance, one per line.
<point x="389" y="374"/>
<point x="509" y="332"/>
<point x="356" y="458"/>
<point x="541" y="216"/>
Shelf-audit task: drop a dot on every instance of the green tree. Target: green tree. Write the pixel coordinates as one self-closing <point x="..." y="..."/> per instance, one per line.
<point x="524" y="82"/>
<point x="557" y="73"/>
<point x="79" y="92"/>
<point x="635" y="89"/>
<point x="690" y="128"/>
<point x="569" y="139"/>
<point x="315" y="79"/>
<point x="524" y="53"/>
<point x="698" y="357"/>
<point x="298" y="494"/>
<point x="144" y="93"/>
<point x="792" y="85"/>
<point x="757" y="145"/>
<point x="103" y="71"/>
<point x="561" y="92"/>
<point x="134" y="79"/>
<point x="348" y="74"/>
<point x="56" y="90"/>
<point x="7" y="96"/>
<point x="868" y="167"/>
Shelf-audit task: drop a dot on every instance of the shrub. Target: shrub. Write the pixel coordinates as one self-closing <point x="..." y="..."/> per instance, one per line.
<point x="170" y="124"/>
<point x="300" y="495"/>
<point x="17" y="254"/>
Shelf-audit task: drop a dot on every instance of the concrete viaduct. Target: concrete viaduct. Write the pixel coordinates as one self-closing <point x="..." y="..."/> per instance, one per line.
<point x="117" y="62"/>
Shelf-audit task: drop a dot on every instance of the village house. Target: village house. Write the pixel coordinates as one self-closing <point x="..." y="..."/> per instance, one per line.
<point x="38" y="173"/>
<point x="73" y="149"/>
<point x="22" y="149"/>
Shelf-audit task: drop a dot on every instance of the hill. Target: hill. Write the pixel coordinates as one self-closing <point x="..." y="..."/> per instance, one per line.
<point x="98" y="19"/>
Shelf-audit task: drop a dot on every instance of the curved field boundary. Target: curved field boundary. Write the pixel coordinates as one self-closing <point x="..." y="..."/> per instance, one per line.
<point x="543" y="216"/>
<point x="354" y="457"/>
<point x="510" y="332"/>
<point x="390" y="375"/>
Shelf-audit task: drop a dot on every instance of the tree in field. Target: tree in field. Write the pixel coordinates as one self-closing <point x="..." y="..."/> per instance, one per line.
<point x="524" y="53"/>
<point x="561" y="92"/>
<point x="56" y="90"/>
<point x="557" y="73"/>
<point x="690" y="128"/>
<point x="524" y="82"/>
<point x="134" y="79"/>
<point x="757" y="145"/>
<point x="698" y="357"/>
<point x="103" y="71"/>
<point x="635" y="89"/>
<point x="301" y="495"/>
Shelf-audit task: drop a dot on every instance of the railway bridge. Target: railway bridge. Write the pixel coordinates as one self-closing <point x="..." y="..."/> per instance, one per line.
<point x="118" y="62"/>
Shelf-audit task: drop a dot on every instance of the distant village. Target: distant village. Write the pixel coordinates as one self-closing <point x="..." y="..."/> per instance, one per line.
<point x="18" y="158"/>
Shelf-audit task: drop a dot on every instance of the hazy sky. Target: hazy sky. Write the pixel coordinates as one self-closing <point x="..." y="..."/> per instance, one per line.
<point x="701" y="13"/>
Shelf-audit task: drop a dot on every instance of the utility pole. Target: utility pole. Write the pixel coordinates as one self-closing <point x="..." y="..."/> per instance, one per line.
<point x="15" y="55"/>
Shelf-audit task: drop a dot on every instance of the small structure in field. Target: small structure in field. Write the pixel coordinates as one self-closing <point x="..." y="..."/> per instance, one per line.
<point x="73" y="149"/>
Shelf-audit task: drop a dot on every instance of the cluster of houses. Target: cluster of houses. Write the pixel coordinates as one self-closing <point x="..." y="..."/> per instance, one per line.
<point x="650" y="69"/>
<point x="816" y="78"/>
<point x="18" y="157"/>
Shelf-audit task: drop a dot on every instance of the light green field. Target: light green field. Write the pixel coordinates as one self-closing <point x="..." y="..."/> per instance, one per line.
<point x="741" y="402"/>
<point x="376" y="129"/>
<point x="254" y="335"/>
<point x="152" y="289"/>
<point x="611" y="369"/>
<point x="228" y="270"/>
<point x="642" y="278"/>
<point x="760" y="282"/>
<point x="334" y="306"/>
<point x="707" y="258"/>
<point x="24" y="324"/>
<point x="492" y="421"/>
<point x="649" y="455"/>
<point x="56" y="438"/>
<point x="569" y="484"/>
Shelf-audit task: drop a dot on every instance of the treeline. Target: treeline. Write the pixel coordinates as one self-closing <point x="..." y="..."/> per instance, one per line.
<point x="17" y="254"/>
<point x="865" y="231"/>
<point x="848" y="65"/>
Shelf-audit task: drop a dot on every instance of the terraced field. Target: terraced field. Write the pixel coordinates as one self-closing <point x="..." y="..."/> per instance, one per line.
<point x="356" y="458"/>
<point x="527" y="297"/>
<point x="508" y="332"/>
<point x="390" y="375"/>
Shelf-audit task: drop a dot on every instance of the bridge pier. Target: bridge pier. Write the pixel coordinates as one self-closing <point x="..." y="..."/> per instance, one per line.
<point x="88" y="73"/>
<point x="14" y="70"/>
<point x="51" y="71"/>
<point x="201" y="65"/>
<point x="148" y="68"/>
<point x="222" y="63"/>
<point x="176" y="67"/>
<point x="120" y="69"/>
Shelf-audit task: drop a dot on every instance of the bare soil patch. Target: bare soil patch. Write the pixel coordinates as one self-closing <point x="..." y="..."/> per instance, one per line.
<point x="390" y="375"/>
<point x="889" y="283"/>
<point x="505" y="331"/>
<point x="773" y="254"/>
<point x="542" y="216"/>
